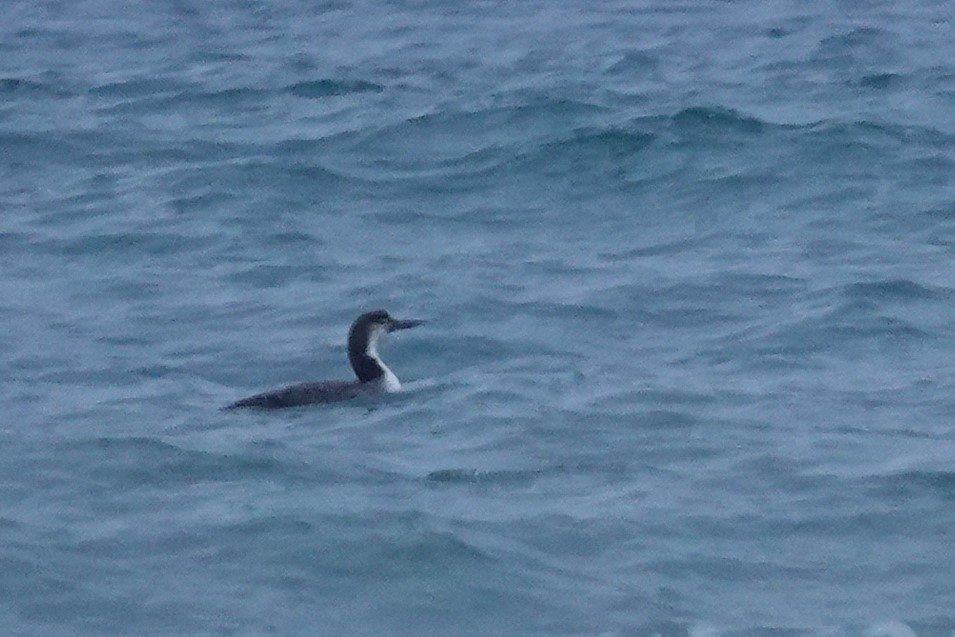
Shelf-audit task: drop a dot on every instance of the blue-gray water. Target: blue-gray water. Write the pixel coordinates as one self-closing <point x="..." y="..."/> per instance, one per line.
<point x="688" y="272"/>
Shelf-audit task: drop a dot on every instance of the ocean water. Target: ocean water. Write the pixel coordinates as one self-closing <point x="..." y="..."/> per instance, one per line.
<point x="689" y="275"/>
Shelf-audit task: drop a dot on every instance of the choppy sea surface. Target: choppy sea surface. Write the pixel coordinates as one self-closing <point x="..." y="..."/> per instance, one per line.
<point x="689" y="275"/>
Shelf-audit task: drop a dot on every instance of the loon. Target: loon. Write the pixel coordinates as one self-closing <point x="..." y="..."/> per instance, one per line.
<point x="374" y="377"/>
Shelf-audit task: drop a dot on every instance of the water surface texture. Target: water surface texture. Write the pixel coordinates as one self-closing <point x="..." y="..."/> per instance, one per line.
<point x="688" y="272"/>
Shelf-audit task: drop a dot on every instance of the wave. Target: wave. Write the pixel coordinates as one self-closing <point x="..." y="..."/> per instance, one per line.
<point x="331" y="88"/>
<point x="454" y="150"/>
<point x="895" y="290"/>
<point x="909" y="484"/>
<point x="474" y="476"/>
<point x="148" y="460"/>
<point x="716" y="119"/>
<point x="16" y="87"/>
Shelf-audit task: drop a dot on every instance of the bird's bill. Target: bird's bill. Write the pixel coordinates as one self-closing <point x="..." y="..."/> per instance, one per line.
<point x="403" y="325"/>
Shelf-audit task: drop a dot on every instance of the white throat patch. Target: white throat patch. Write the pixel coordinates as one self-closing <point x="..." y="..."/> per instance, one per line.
<point x="388" y="382"/>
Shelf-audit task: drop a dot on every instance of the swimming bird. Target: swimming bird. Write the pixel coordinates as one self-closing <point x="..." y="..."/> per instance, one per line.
<point x="374" y="377"/>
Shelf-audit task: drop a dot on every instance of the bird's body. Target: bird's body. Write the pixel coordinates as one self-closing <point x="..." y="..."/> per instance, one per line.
<point x="328" y="391"/>
<point x="374" y="377"/>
